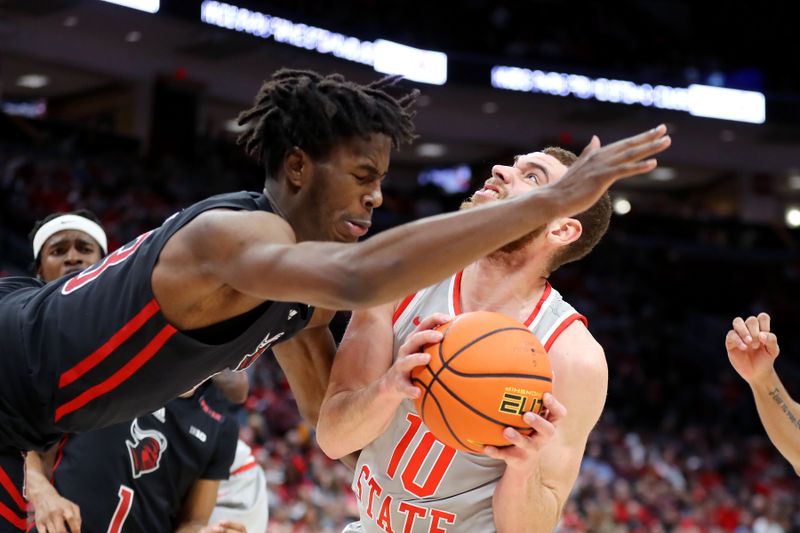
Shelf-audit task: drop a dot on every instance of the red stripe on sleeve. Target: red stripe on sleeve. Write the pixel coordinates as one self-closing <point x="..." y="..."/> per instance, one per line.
<point x="564" y="325"/>
<point x="245" y="467"/>
<point x="99" y="355"/>
<point x="120" y="376"/>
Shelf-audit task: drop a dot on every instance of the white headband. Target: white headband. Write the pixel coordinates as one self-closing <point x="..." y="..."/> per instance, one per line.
<point x="67" y="222"/>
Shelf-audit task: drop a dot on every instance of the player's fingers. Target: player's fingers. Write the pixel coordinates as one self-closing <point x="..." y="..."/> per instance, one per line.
<point x="763" y="321"/>
<point x="741" y="330"/>
<point x="770" y="343"/>
<point x="555" y="409"/>
<point x="733" y="341"/>
<point x="626" y="170"/>
<point x="637" y="140"/>
<point x="73" y="518"/>
<point x="407" y="362"/>
<point x="753" y="329"/>
<point x="593" y="145"/>
<point x="540" y="424"/>
<point x="436" y="319"/>
<point x="641" y="152"/>
<point x="416" y="341"/>
<point x="55" y="526"/>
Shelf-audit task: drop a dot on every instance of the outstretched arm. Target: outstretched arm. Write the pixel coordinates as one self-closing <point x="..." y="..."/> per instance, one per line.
<point x="752" y="349"/>
<point x="254" y="253"/>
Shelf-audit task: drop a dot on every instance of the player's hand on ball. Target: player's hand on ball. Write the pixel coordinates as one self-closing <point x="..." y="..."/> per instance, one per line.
<point x="752" y="347"/>
<point x="54" y="513"/>
<point x="524" y="452"/>
<point x="396" y="381"/>
<point x="224" y="526"/>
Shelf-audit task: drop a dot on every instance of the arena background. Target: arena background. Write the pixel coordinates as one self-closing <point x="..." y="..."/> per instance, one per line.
<point x="128" y="113"/>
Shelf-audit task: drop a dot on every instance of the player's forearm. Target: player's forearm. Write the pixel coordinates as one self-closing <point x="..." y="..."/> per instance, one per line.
<point x="780" y="416"/>
<point x="37" y="482"/>
<point x="350" y="420"/>
<point x="413" y="256"/>
<point x="521" y="504"/>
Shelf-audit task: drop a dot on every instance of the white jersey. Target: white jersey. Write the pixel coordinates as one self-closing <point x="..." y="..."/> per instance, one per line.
<point x="408" y="481"/>
<point x="243" y="496"/>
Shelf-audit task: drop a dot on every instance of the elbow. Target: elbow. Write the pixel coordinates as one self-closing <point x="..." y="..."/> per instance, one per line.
<point x="327" y="439"/>
<point x="327" y="443"/>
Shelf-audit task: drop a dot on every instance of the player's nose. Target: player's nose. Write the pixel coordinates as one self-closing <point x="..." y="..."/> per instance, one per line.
<point x="502" y="173"/>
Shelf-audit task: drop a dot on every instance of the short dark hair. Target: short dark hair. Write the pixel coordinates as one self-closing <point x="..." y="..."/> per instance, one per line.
<point x="85" y="213"/>
<point x="316" y="113"/>
<point x="594" y="220"/>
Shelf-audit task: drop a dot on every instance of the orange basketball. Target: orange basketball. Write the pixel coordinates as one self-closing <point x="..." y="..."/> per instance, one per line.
<point x="487" y="371"/>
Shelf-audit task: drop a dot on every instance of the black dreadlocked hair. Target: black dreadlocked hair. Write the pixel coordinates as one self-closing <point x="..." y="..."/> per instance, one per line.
<point x="316" y="113"/>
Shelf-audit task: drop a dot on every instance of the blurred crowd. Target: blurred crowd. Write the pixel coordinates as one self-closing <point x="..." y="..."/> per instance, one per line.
<point x="679" y="447"/>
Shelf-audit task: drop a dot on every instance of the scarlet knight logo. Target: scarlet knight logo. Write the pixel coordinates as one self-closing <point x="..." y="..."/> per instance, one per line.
<point x="146" y="449"/>
<point x="262" y="347"/>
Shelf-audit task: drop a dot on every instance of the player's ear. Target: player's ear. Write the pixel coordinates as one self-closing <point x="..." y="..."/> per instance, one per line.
<point x="297" y="167"/>
<point x="564" y="231"/>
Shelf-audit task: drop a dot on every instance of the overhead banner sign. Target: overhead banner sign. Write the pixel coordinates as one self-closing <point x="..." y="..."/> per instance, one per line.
<point x="425" y="66"/>
<point x="698" y="100"/>
<point x="149" y="6"/>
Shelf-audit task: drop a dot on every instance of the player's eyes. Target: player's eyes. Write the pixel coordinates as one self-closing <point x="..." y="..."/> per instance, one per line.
<point x="533" y="177"/>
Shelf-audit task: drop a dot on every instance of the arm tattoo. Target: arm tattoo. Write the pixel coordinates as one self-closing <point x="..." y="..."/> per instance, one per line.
<point x="776" y="395"/>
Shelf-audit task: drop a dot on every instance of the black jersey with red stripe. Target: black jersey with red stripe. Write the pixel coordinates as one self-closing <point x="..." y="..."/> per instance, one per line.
<point x="134" y="476"/>
<point x="94" y="349"/>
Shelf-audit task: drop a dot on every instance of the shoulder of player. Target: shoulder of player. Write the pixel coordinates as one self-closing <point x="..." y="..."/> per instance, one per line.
<point x="577" y="350"/>
<point x="218" y="231"/>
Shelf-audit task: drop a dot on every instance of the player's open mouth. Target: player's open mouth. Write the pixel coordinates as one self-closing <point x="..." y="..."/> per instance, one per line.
<point x="490" y="191"/>
<point x="359" y="228"/>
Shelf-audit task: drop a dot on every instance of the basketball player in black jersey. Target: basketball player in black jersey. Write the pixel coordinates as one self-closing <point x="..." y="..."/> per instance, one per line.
<point x="188" y="445"/>
<point x="224" y="280"/>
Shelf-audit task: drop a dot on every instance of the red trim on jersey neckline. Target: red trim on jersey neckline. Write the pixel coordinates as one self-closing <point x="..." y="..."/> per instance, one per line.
<point x="402" y="307"/>
<point x="564" y="325"/>
<point x="99" y="355"/>
<point x="457" y="298"/>
<point x="12" y="518"/>
<point x="245" y="467"/>
<point x="120" y="376"/>
<point x="12" y="490"/>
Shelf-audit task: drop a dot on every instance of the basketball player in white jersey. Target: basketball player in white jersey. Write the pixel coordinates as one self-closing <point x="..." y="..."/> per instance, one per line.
<point x="752" y="349"/>
<point x="242" y="498"/>
<point x="405" y="479"/>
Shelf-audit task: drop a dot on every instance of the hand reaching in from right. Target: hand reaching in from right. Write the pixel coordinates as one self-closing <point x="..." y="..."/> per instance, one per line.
<point x="752" y="347"/>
